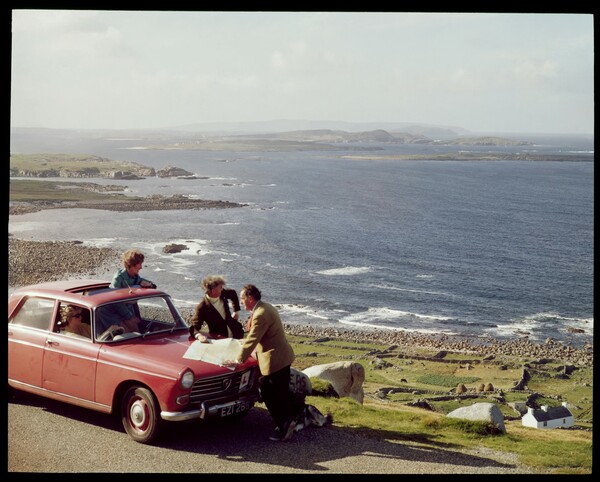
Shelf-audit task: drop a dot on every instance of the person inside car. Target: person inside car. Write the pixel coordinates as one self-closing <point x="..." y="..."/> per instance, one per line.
<point x="72" y="319"/>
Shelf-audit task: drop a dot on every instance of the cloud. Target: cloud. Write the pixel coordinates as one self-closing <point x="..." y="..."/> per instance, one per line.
<point x="145" y="69"/>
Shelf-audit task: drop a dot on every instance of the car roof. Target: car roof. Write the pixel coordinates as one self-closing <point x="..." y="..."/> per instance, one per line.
<point x="90" y="292"/>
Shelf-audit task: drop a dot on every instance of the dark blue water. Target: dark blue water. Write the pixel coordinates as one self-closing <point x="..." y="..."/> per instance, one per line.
<point x="502" y="248"/>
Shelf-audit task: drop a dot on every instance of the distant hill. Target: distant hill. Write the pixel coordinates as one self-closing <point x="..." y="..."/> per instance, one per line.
<point x="486" y="141"/>
<point x="33" y="140"/>
<point x="285" y="125"/>
<point x="339" y="136"/>
<point x="374" y="136"/>
<point x="433" y="132"/>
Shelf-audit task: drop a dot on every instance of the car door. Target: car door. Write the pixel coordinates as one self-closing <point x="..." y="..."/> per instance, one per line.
<point x="28" y="330"/>
<point x="69" y="366"/>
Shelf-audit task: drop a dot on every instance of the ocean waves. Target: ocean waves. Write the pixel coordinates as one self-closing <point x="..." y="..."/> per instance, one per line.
<point x="501" y="249"/>
<point x="345" y="271"/>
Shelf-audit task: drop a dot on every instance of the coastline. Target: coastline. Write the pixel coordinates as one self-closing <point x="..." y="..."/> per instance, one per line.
<point x="154" y="203"/>
<point x="54" y="260"/>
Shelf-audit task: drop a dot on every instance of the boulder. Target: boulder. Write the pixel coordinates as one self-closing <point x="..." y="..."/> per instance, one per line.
<point x="483" y="411"/>
<point x="347" y="378"/>
<point x="171" y="171"/>
<point x="174" y="248"/>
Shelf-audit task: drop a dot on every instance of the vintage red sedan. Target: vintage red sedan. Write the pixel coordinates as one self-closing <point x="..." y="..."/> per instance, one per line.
<point x="139" y="373"/>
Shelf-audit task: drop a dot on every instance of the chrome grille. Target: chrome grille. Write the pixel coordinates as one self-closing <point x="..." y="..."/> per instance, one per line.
<point x="219" y="387"/>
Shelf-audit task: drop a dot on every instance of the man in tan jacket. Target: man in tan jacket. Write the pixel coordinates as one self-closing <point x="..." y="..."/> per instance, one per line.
<point x="275" y="356"/>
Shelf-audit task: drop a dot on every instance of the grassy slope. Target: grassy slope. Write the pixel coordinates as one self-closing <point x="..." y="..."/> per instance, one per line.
<point x="25" y="190"/>
<point x="554" y="451"/>
<point x="69" y="162"/>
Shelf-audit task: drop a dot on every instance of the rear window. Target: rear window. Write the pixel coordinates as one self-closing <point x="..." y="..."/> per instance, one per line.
<point x="35" y="312"/>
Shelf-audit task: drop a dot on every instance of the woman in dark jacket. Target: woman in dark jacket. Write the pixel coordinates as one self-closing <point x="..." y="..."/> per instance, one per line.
<point x="214" y="310"/>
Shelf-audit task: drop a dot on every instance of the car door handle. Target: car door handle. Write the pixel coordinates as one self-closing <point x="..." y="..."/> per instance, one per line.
<point x="52" y="342"/>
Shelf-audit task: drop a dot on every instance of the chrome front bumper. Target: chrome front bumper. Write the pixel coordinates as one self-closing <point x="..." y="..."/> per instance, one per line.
<point x="208" y="410"/>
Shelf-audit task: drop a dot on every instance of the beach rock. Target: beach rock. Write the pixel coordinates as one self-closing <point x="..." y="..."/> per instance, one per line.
<point x="421" y="403"/>
<point x="171" y="171"/>
<point x="174" y="248"/>
<point x="483" y="411"/>
<point x="347" y="378"/>
<point x="379" y="364"/>
<point x="123" y="175"/>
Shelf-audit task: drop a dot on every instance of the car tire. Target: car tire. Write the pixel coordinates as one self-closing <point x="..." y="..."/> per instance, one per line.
<point x="140" y="414"/>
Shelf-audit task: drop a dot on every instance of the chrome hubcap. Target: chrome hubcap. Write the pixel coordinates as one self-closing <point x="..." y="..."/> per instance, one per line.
<point x="138" y="414"/>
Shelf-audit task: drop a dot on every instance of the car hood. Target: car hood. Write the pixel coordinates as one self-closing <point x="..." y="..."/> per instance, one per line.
<point x="162" y="354"/>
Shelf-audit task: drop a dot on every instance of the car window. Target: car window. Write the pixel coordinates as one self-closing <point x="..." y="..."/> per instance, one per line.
<point x="79" y="327"/>
<point x="157" y="310"/>
<point x="35" y="312"/>
<point x="148" y="315"/>
<point x="112" y="314"/>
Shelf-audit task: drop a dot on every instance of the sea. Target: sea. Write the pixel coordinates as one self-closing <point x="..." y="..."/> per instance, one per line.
<point x="499" y="249"/>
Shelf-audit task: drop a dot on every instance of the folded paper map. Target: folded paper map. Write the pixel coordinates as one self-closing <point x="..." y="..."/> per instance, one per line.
<point x="216" y="351"/>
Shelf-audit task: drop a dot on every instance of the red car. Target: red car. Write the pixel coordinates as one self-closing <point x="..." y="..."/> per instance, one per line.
<point x="140" y="375"/>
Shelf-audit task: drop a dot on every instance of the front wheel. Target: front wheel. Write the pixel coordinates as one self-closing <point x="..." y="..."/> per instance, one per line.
<point x="140" y="414"/>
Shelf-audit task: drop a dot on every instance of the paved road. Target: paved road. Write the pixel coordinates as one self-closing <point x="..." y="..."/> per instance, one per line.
<point x="48" y="436"/>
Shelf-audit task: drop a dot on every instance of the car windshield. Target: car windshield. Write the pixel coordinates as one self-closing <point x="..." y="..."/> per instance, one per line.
<point x="135" y="318"/>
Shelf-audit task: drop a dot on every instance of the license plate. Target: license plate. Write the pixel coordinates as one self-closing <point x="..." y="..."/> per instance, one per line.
<point x="234" y="408"/>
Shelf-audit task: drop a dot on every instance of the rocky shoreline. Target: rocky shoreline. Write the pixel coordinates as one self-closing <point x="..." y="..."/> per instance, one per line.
<point x="477" y="347"/>
<point x="31" y="262"/>
<point x="38" y="261"/>
<point x="152" y="203"/>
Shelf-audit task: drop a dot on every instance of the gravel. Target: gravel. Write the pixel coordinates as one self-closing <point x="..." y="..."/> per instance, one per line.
<point x="31" y="262"/>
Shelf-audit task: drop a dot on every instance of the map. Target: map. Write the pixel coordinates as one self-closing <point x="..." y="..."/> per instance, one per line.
<point x="215" y="351"/>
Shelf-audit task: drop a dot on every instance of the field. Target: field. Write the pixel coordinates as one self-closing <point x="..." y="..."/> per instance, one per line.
<point x="408" y="395"/>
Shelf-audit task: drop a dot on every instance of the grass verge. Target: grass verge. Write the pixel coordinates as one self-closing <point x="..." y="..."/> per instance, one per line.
<point x="556" y="451"/>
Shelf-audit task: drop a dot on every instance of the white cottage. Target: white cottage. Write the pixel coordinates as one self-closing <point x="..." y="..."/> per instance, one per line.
<point x="554" y="417"/>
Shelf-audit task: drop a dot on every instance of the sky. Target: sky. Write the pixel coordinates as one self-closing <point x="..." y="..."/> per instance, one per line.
<point x="484" y="72"/>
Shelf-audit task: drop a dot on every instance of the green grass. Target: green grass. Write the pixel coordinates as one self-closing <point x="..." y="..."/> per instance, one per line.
<point x="69" y="162"/>
<point x="25" y="190"/>
<point x="554" y="451"/>
<point x="550" y="451"/>
<point x="445" y="380"/>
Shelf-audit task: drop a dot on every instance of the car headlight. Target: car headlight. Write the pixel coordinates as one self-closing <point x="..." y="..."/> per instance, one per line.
<point x="187" y="379"/>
